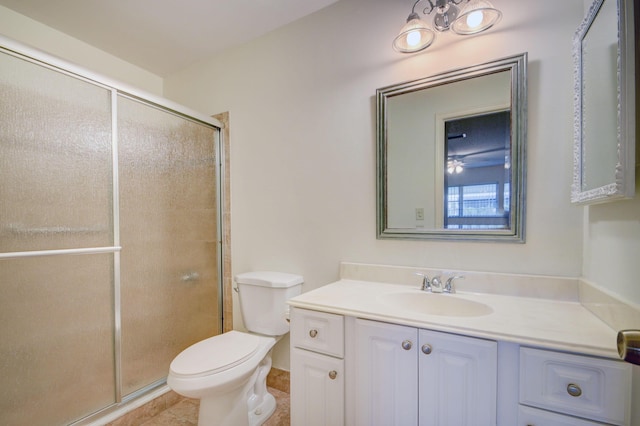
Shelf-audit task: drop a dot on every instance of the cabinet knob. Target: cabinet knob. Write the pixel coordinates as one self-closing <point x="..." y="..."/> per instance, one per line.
<point x="427" y="349"/>
<point x="333" y="374"/>
<point x="574" y="390"/>
<point x="313" y="333"/>
<point x="406" y="345"/>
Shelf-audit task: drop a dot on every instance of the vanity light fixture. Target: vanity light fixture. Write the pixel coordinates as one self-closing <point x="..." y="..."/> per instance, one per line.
<point x="476" y="16"/>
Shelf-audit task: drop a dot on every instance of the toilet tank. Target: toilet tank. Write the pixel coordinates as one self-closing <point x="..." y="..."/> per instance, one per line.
<point x="263" y="300"/>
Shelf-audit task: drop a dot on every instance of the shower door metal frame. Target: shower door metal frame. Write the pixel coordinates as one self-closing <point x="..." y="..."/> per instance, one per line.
<point x="116" y="89"/>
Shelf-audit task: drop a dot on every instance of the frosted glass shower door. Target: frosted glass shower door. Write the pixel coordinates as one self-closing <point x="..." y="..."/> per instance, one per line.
<point x="169" y="238"/>
<point x="57" y="359"/>
<point x="55" y="159"/>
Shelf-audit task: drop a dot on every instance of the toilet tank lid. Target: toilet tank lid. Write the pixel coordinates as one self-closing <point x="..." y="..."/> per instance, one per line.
<point x="269" y="279"/>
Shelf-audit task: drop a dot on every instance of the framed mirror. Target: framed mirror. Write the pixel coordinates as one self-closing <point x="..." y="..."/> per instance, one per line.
<point x="604" y="115"/>
<point x="451" y="155"/>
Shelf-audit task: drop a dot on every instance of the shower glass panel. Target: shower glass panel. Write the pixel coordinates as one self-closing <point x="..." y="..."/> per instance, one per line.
<point x="109" y="241"/>
<point x="55" y="159"/>
<point x="168" y="209"/>
<point x="56" y="349"/>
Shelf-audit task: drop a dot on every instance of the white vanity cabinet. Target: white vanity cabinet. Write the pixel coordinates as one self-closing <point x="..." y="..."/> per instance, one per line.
<point x="317" y="368"/>
<point x="362" y="372"/>
<point x="409" y="376"/>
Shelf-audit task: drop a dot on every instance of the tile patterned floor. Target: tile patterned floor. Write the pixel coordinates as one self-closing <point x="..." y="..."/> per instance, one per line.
<point x="185" y="412"/>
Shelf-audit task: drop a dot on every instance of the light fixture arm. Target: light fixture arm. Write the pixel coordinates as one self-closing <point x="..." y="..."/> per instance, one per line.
<point x="413" y="9"/>
<point x="438" y="4"/>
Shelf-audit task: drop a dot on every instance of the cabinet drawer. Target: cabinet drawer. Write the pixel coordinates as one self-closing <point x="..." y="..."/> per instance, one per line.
<point x="591" y="388"/>
<point x="318" y="331"/>
<point x="528" y="416"/>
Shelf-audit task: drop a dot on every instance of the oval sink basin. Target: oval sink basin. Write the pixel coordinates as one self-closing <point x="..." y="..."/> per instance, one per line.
<point x="436" y="304"/>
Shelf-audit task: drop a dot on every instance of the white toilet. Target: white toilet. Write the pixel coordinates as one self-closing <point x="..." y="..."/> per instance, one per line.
<point x="228" y="372"/>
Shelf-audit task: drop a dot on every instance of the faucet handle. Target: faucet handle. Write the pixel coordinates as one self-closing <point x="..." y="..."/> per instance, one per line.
<point x="449" y="287"/>
<point x="426" y="284"/>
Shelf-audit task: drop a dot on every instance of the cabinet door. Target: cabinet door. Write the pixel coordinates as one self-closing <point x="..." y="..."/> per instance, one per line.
<point x="317" y="389"/>
<point x="386" y="374"/>
<point x="457" y="380"/>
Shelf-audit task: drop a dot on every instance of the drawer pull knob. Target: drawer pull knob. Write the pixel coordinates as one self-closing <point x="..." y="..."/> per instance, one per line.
<point x="333" y="374"/>
<point x="574" y="390"/>
<point x="313" y="333"/>
<point x="427" y="349"/>
<point x="406" y="345"/>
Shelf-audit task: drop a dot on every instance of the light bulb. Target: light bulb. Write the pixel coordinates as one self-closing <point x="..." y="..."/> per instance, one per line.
<point x="477" y="16"/>
<point x="475" y="19"/>
<point x="413" y="38"/>
<point x="458" y="169"/>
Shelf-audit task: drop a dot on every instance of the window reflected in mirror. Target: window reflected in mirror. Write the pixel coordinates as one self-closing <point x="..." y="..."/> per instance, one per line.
<point x="477" y="174"/>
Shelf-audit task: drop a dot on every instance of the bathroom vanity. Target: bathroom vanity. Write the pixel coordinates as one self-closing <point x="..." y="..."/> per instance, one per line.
<point x="369" y="352"/>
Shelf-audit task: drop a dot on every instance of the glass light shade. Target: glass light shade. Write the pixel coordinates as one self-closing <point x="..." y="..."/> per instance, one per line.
<point x="475" y="17"/>
<point x="414" y="36"/>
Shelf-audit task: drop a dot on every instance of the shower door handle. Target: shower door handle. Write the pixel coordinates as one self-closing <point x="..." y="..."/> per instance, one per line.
<point x="190" y="277"/>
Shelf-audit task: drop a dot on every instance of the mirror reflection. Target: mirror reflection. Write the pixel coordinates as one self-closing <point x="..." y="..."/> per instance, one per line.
<point x="450" y="161"/>
<point x="477" y="176"/>
<point x="600" y="99"/>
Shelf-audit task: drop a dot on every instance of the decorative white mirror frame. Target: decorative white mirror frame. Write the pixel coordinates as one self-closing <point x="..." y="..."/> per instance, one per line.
<point x="622" y="184"/>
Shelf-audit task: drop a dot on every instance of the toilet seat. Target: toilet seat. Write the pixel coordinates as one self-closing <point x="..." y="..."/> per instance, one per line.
<point x="215" y="354"/>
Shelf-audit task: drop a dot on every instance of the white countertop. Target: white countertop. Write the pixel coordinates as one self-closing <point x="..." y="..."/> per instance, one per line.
<point x="553" y="324"/>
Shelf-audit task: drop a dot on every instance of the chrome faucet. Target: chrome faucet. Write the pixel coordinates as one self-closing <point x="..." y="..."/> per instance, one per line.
<point x="437" y="285"/>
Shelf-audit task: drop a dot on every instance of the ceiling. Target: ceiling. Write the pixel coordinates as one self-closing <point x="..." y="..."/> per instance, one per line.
<point x="164" y="36"/>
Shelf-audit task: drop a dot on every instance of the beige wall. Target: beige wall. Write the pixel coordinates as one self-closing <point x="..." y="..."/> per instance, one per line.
<point x="32" y="33"/>
<point x="612" y="246"/>
<point x="611" y="249"/>
<point x="302" y="114"/>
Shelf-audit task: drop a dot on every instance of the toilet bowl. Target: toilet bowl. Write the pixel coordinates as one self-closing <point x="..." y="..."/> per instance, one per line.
<point x="228" y="372"/>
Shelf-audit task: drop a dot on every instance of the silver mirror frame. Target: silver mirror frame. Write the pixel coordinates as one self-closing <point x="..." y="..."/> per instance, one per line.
<point x="517" y="66"/>
<point x="623" y="185"/>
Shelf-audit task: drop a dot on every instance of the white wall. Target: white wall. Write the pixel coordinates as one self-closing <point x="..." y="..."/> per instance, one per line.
<point x="611" y="250"/>
<point x="302" y="112"/>
<point x="34" y="34"/>
<point x="612" y="246"/>
<point x="302" y="119"/>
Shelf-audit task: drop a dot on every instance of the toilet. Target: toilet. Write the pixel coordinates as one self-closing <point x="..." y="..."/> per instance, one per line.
<point x="228" y="372"/>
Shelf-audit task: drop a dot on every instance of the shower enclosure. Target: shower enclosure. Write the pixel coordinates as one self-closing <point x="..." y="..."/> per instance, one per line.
<point x="110" y="254"/>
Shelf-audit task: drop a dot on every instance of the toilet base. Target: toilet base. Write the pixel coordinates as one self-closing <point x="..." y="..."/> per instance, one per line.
<point x="250" y="405"/>
<point x="260" y="415"/>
